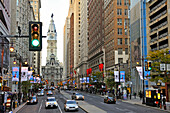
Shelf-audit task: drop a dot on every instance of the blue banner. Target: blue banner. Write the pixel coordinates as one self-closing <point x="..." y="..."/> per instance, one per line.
<point x="88" y="80"/>
<point x="15" y="73"/>
<point x="31" y="79"/>
<point x="122" y="76"/>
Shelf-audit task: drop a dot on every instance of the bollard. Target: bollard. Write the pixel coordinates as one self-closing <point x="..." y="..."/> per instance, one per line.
<point x="160" y="105"/>
<point x="164" y="107"/>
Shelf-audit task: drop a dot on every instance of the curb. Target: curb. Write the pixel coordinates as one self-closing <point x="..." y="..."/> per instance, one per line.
<point x="146" y="106"/>
<point x="20" y="108"/>
<point x="83" y="109"/>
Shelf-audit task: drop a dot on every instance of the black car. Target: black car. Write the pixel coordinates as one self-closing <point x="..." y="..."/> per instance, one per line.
<point x="110" y="99"/>
<point x="32" y="100"/>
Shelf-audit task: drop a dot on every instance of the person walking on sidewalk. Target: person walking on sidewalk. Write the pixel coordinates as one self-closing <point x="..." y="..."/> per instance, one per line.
<point x="140" y="95"/>
<point x="135" y="95"/>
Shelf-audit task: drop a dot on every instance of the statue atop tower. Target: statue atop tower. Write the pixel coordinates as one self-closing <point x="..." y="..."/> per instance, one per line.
<point x="51" y="40"/>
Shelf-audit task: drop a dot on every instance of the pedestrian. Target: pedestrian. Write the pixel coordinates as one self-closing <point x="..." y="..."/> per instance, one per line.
<point x="135" y="95"/>
<point x="13" y="104"/>
<point x="130" y="96"/>
<point x="140" y="95"/>
<point x="127" y="94"/>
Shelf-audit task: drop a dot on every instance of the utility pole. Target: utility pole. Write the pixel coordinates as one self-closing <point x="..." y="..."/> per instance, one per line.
<point x="20" y="63"/>
<point x="143" y="73"/>
<point x="119" y="80"/>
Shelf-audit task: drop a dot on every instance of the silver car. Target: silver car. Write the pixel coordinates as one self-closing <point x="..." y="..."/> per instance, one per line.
<point x="71" y="105"/>
<point x="51" y="102"/>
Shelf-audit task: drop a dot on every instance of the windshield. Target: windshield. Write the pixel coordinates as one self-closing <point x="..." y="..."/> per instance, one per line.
<point x="110" y="97"/>
<point x="71" y="102"/>
<point x="78" y="94"/>
<point x="51" y="99"/>
<point x="49" y="92"/>
<point x="34" y="97"/>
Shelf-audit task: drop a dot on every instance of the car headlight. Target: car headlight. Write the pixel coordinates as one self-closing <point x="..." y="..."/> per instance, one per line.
<point x="28" y="101"/>
<point x="67" y="107"/>
<point x="47" y="103"/>
<point x="83" y="97"/>
<point x="76" y="107"/>
<point x="55" y="102"/>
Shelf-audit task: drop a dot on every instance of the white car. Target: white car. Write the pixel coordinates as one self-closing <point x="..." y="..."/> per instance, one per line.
<point x="51" y="102"/>
<point x="70" y="105"/>
<point x="41" y="93"/>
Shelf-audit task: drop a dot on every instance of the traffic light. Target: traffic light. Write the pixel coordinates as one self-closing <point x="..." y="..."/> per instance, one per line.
<point x="149" y="66"/>
<point x="146" y="66"/>
<point x="35" y="36"/>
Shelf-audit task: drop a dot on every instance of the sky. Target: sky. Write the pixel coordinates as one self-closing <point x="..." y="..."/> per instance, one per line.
<point x="59" y="8"/>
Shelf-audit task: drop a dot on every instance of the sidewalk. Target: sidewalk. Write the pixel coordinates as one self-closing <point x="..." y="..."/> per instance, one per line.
<point x="18" y="108"/>
<point x="88" y="108"/>
<point x="137" y="101"/>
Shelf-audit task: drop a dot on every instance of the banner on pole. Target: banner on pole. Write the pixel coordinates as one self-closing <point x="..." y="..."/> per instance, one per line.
<point x="31" y="79"/>
<point x="24" y="72"/>
<point x="29" y="74"/>
<point x="122" y="76"/>
<point x="139" y="69"/>
<point x="15" y="73"/>
<point x="116" y="74"/>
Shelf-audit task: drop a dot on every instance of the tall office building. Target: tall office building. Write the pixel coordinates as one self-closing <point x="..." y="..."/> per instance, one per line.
<point x="36" y="4"/>
<point x="83" y="64"/>
<point x="5" y="29"/>
<point x="73" y="38"/>
<point x="96" y="34"/>
<point x="21" y="14"/>
<point x="158" y="38"/>
<point x="116" y="36"/>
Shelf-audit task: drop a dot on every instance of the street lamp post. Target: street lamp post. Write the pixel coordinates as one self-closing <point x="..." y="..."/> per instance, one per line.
<point x="119" y="80"/>
<point x="143" y="73"/>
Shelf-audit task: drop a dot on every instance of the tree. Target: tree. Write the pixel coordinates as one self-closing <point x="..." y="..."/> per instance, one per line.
<point x="110" y="80"/>
<point x="158" y="57"/>
<point x="25" y="89"/>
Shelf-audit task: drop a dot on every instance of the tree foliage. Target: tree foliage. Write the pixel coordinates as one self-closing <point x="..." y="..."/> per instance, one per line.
<point x="110" y="82"/>
<point x="158" y="57"/>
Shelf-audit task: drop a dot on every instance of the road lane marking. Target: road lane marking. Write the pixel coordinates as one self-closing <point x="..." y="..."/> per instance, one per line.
<point x="59" y="108"/>
<point x="40" y="107"/>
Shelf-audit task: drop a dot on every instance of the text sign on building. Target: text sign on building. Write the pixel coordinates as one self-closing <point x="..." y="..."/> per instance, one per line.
<point x="162" y="67"/>
<point x="15" y="73"/>
<point x="116" y="74"/>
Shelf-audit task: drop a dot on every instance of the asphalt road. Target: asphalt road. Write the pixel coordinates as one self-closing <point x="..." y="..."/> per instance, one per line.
<point x="119" y="107"/>
<point x="40" y="107"/>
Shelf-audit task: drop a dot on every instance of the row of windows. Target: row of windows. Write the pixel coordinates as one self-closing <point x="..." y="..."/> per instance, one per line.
<point x="119" y="2"/>
<point x="119" y="31"/>
<point x="120" y="51"/>
<point x="120" y="41"/>
<point x="119" y="21"/>
<point x="119" y="11"/>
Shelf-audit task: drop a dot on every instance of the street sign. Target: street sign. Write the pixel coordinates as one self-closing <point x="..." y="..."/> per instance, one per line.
<point x="168" y="67"/>
<point x="162" y="67"/>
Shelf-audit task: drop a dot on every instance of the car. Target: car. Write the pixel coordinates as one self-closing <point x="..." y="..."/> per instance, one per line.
<point x="71" y="105"/>
<point x="41" y="93"/>
<point x="49" y="92"/>
<point x="51" y="102"/>
<point x="110" y="99"/>
<point x="77" y="96"/>
<point x="52" y="88"/>
<point x="32" y="100"/>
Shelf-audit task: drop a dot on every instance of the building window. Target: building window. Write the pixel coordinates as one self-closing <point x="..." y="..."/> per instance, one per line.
<point x="35" y="6"/>
<point x="119" y="41"/>
<point x="35" y="2"/>
<point x="51" y="50"/>
<point x="126" y="12"/>
<point x="126" y="51"/>
<point x="119" y="31"/>
<point x="119" y="51"/>
<point x="126" y="22"/>
<point x="119" y="2"/>
<point x="125" y="31"/>
<point x="120" y="60"/>
<point x="126" y="2"/>
<point x="119" y="21"/>
<point x="119" y="11"/>
<point x="126" y="41"/>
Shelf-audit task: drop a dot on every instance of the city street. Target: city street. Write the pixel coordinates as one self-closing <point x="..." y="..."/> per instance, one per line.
<point x="119" y="107"/>
<point x="40" y="107"/>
